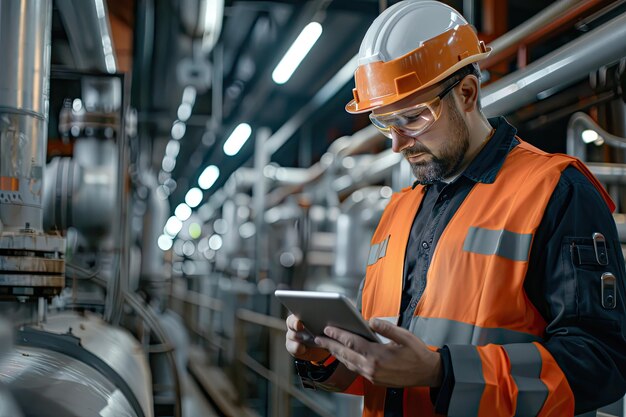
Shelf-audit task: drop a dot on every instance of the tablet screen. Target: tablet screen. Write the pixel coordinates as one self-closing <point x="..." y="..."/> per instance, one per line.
<point x="317" y="310"/>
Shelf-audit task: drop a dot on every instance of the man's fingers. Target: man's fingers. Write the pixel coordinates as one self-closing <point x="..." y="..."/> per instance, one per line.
<point x="348" y="339"/>
<point x="392" y="332"/>
<point x="294" y="323"/>
<point x="351" y="359"/>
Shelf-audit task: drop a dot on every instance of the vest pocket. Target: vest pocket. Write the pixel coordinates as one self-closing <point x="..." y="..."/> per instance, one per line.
<point x="584" y="277"/>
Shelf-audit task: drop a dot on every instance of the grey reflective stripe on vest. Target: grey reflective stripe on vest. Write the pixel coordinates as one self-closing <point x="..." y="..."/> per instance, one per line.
<point x="526" y="372"/>
<point x="439" y="332"/>
<point x="377" y="251"/>
<point x="469" y="382"/>
<point x="373" y="256"/>
<point x="510" y="245"/>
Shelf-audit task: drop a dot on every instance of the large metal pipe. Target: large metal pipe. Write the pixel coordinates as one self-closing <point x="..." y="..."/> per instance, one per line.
<point x="580" y="122"/>
<point x="153" y="274"/>
<point x="25" y="40"/>
<point x="87" y="25"/>
<point x="530" y="26"/>
<point x="568" y="64"/>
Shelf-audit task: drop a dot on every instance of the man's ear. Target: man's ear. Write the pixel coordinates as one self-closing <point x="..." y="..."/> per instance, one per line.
<point x="467" y="93"/>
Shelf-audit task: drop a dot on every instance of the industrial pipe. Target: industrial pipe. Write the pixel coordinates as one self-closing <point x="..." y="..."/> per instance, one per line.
<point x="25" y="39"/>
<point x="538" y="21"/>
<point x="581" y="121"/>
<point x="569" y="63"/>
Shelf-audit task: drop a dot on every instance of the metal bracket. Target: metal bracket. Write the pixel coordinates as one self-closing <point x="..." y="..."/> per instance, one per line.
<point x="599" y="245"/>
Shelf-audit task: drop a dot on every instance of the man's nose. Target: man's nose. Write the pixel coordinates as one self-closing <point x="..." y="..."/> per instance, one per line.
<point x="400" y="141"/>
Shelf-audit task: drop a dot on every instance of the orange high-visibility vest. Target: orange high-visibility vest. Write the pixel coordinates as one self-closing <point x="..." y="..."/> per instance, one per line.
<point x="474" y="301"/>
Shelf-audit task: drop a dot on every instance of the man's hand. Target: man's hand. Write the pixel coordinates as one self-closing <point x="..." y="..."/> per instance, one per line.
<point x="404" y="362"/>
<point x="296" y="347"/>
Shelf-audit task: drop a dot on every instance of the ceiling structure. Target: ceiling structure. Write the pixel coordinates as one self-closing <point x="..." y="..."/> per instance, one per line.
<point x="233" y="81"/>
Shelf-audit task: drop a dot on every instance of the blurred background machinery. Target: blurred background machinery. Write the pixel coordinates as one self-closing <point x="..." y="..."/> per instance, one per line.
<point x="162" y="173"/>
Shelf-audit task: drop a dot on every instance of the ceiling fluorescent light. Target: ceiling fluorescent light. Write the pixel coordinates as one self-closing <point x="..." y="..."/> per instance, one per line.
<point x="208" y="177"/>
<point x="182" y="212"/>
<point x="237" y="139"/>
<point x="193" y="197"/>
<point x="296" y="53"/>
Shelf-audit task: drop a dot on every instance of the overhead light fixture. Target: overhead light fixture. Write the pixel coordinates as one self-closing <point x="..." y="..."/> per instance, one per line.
<point x="173" y="226"/>
<point x="237" y="139"/>
<point x="164" y="242"/>
<point x="172" y="148"/>
<point x="194" y="197"/>
<point x="195" y="230"/>
<point x="296" y="53"/>
<point x="182" y="212"/>
<point x="178" y="130"/>
<point x="589" y="136"/>
<point x="208" y="177"/>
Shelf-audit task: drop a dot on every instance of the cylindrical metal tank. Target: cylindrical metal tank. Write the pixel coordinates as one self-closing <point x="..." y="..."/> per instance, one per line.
<point x="25" y="40"/>
<point x="77" y="365"/>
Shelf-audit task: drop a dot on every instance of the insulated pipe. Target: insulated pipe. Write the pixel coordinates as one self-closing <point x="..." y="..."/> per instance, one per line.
<point x="152" y="273"/>
<point x="530" y="26"/>
<point x="581" y="121"/>
<point x="608" y="173"/>
<point x="89" y="31"/>
<point x="569" y="63"/>
<point x="25" y="39"/>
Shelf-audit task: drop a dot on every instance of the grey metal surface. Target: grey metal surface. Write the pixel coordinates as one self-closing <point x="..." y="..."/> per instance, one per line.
<point x="8" y="405"/>
<point x="35" y="267"/>
<point x="32" y="242"/>
<point x="115" y="346"/>
<point x="87" y="25"/>
<point x="152" y="273"/>
<point x="46" y="383"/>
<point x="259" y="195"/>
<point x="564" y="66"/>
<point x="377" y="168"/>
<point x="80" y="192"/>
<point x="536" y="22"/>
<point x="580" y="122"/>
<point x="355" y="226"/>
<point x="25" y="40"/>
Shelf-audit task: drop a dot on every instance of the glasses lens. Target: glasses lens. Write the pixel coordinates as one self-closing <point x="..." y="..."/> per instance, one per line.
<point x="411" y="122"/>
<point x="383" y="128"/>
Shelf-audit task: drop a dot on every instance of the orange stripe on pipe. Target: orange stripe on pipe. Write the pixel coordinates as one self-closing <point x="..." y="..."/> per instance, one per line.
<point x="9" y="184"/>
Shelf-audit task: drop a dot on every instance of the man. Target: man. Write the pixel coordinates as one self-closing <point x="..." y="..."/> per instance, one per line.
<point x="502" y="268"/>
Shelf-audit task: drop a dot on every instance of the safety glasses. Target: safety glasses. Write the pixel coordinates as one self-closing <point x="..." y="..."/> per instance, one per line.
<point x="413" y="120"/>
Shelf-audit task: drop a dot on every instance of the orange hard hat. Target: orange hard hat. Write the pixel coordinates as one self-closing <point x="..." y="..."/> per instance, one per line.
<point x="410" y="46"/>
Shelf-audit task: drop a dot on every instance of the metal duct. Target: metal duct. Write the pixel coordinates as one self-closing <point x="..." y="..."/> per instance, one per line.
<point x="47" y="383"/>
<point x="25" y="40"/>
<point x="203" y="18"/>
<point x="31" y="264"/>
<point x="568" y="64"/>
<point x="81" y="192"/>
<point x="608" y="173"/>
<point x="114" y="346"/>
<point x="89" y="31"/>
<point x="355" y="226"/>
<point x="536" y="22"/>
<point x="577" y="124"/>
<point x="152" y="271"/>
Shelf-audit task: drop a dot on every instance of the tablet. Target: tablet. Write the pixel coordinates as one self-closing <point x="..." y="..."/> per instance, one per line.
<point x="317" y="310"/>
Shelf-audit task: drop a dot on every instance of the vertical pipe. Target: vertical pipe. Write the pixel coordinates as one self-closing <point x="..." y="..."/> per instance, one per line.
<point x="25" y="39"/>
<point x="217" y="86"/>
<point x="261" y="159"/>
<point x="468" y="11"/>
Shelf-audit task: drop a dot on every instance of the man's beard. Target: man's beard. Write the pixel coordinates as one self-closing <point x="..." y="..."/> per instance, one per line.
<point x="451" y="153"/>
